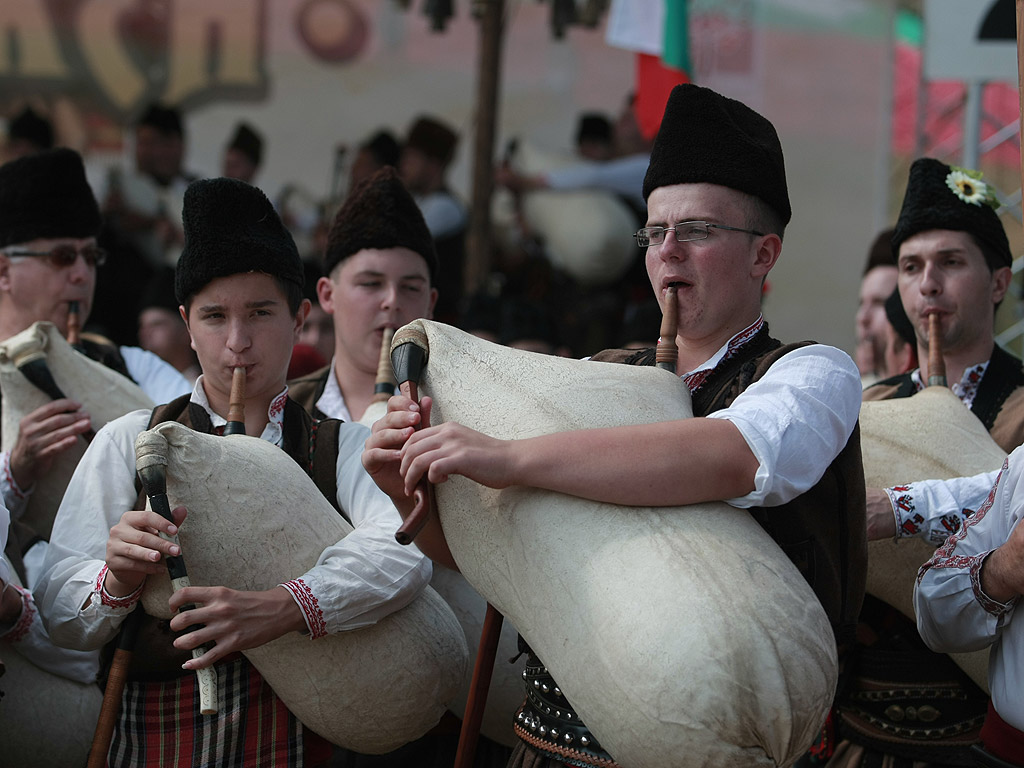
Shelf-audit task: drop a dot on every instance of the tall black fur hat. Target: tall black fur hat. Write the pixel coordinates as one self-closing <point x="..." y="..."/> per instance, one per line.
<point x="708" y="138"/>
<point x="230" y="228"/>
<point x="166" y="120"/>
<point x="248" y="142"/>
<point x="433" y="138"/>
<point x="881" y="253"/>
<point x="31" y="127"/>
<point x="46" y="195"/>
<point x="379" y="213"/>
<point x="940" y="196"/>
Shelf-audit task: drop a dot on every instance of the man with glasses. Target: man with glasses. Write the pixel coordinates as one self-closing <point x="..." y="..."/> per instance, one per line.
<point x="775" y="427"/>
<point x="49" y="220"/>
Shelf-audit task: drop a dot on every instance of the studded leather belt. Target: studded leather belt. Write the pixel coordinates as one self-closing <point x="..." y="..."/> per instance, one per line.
<point x="547" y="722"/>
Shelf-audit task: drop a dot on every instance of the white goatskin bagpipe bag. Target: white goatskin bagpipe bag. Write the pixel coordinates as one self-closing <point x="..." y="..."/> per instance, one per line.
<point x="581" y="228"/>
<point x="672" y="631"/>
<point x="256" y="520"/>
<point x="104" y="394"/>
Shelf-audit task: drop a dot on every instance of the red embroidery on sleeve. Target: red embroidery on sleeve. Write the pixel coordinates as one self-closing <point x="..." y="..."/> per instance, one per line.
<point x="310" y="607"/>
<point x="110" y="600"/>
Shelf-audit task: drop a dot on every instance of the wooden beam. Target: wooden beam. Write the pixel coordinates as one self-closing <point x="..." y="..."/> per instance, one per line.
<point x="478" y="236"/>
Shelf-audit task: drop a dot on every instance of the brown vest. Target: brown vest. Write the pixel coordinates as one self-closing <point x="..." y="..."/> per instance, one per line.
<point x="307" y="389"/>
<point x="314" y="446"/>
<point x="823" y="531"/>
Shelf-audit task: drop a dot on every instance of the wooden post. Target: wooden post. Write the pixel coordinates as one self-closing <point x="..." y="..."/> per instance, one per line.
<point x="1020" y="81"/>
<point x="478" y="235"/>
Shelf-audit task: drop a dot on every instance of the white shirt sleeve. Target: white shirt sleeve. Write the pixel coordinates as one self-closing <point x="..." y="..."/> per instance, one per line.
<point x="157" y="378"/>
<point x="623" y="176"/>
<point x="934" y="509"/>
<point x="953" y="612"/>
<point x="796" y="419"/>
<point x="356" y="581"/>
<point x="102" y="489"/>
<point x="367" y="575"/>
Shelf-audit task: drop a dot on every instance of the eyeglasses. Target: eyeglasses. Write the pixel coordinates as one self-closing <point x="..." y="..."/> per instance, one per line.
<point x="684" y="232"/>
<point x="63" y="256"/>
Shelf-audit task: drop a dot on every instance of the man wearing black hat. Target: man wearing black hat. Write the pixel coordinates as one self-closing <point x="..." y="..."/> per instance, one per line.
<point x="143" y="205"/>
<point x="953" y="262"/>
<point x="239" y="283"/>
<point x="379" y="269"/>
<point x="49" y="221"/>
<point x="243" y="154"/>
<point x="28" y="133"/>
<point x="779" y="440"/>
<point x="423" y="165"/>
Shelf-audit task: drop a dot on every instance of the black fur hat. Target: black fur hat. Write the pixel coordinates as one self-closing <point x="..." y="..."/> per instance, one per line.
<point x="881" y="253"/>
<point x="940" y="196"/>
<point x="230" y="228"/>
<point x="708" y="138"/>
<point x="46" y="195"/>
<point x="383" y="147"/>
<point x="248" y="142"/>
<point x="166" y="120"/>
<point x="29" y="126"/>
<point x="379" y="213"/>
<point x="433" y="138"/>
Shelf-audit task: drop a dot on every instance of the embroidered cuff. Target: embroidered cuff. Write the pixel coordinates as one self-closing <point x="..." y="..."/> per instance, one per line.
<point x="908" y="521"/>
<point x="309" y="606"/>
<point x="20" y="627"/>
<point x="103" y="597"/>
<point x="991" y="606"/>
<point x="9" y="478"/>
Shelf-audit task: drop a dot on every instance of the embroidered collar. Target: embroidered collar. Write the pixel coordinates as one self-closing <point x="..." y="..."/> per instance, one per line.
<point x="966" y="389"/>
<point x="272" y="433"/>
<point x="693" y="379"/>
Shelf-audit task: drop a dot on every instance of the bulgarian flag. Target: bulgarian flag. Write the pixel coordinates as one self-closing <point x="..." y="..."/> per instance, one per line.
<point x="658" y="32"/>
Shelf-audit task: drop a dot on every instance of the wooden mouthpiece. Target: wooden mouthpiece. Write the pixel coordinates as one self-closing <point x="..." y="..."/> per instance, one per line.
<point x="384" y="387"/>
<point x="936" y="363"/>
<point x="236" y="404"/>
<point x="668" y="353"/>
<point x="74" y="324"/>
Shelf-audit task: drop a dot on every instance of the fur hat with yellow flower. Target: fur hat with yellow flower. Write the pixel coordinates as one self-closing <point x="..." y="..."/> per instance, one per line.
<point x="940" y="196"/>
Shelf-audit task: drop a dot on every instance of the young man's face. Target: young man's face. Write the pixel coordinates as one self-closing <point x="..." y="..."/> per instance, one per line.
<point x="718" y="280"/>
<point x="244" y="320"/>
<point x="36" y="289"/>
<point x="372" y="290"/>
<point x="943" y="272"/>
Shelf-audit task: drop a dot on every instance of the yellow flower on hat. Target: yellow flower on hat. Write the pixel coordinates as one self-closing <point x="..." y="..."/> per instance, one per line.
<point x="968" y="186"/>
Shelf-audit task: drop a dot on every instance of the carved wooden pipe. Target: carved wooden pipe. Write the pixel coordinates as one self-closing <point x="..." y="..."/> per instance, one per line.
<point x="936" y="363"/>
<point x="667" y="353"/>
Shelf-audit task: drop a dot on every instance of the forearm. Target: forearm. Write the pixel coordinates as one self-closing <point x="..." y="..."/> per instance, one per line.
<point x="1000" y="575"/>
<point x="664" y="464"/>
